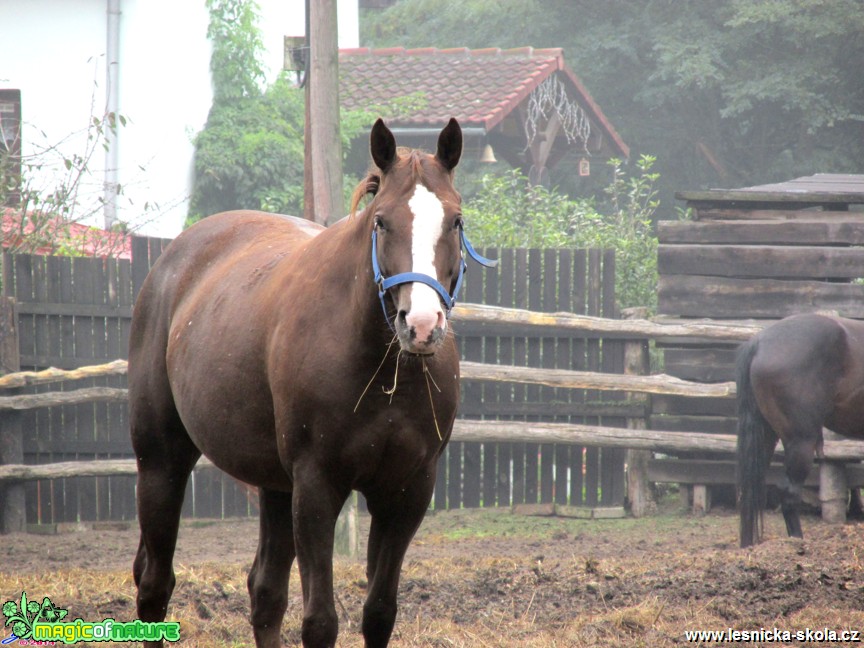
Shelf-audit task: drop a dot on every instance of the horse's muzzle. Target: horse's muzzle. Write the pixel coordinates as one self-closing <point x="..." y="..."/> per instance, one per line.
<point x="421" y="332"/>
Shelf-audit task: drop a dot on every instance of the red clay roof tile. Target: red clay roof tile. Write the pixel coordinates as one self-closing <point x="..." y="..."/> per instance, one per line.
<point x="479" y="87"/>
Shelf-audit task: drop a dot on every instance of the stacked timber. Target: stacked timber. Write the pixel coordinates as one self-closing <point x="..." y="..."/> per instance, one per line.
<point x="754" y="255"/>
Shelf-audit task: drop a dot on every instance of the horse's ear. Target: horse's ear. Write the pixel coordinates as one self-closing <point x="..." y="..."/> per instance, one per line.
<point x="383" y="146"/>
<point x="450" y="145"/>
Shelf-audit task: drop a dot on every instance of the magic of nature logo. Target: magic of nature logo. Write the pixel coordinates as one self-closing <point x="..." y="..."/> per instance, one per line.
<point x="33" y="623"/>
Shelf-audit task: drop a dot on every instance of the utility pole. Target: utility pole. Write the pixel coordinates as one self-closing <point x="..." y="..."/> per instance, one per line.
<point x="323" y="156"/>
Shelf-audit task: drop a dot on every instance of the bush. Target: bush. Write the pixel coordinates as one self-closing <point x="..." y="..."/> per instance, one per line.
<point x="508" y="212"/>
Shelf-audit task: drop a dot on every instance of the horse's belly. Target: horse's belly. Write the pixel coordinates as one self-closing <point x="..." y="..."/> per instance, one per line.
<point x="227" y="412"/>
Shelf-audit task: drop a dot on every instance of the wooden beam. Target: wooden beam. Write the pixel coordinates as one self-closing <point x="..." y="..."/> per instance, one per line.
<point x="690" y="296"/>
<point x="656" y="384"/>
<point x="477" y="319"/>
<point x="765" y="232"/>
<point x="95" y="468"/>
<point x="323" y="115"/>
<point x="52" y="399"/>
<point x="780" y="261"/>
<point x="52" y="374"/>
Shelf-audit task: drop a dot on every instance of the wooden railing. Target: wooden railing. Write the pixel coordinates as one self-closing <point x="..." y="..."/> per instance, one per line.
<point x="475" y="320"/>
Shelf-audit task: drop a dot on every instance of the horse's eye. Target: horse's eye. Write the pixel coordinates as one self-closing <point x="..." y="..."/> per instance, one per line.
<point x="379" y="224"/>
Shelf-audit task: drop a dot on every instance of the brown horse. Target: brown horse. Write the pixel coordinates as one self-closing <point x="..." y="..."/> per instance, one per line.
<point x="261" y="342"/>
<point x="794" y="377"/>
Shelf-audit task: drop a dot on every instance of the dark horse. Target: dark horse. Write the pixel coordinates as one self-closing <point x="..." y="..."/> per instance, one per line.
<point x="794" y="377"/>
<point x="261" y="342"/>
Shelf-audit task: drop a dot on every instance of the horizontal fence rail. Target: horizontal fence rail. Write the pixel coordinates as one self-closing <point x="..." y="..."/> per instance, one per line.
<point x="482" y="431"/>
<point x="471" y="318"/>
<point x="471" y="430"/>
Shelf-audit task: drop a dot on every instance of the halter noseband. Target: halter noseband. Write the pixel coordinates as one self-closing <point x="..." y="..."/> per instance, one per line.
<point x="449" y="300"/>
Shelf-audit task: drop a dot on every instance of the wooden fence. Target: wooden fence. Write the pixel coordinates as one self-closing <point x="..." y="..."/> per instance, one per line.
<point x="636" y="441"/>
<point x="497" y="473"/>
<point x="74" y="312"/>
<point x="67" y="313"/>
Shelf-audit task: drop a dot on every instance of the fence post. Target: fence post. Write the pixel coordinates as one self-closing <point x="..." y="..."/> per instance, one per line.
<point x="833" y="491"/>
<point x="12" y="512"/>
<point x="637" y="362"/>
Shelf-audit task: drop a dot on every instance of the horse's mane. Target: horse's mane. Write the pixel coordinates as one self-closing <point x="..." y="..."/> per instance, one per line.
<point x="372" y="182"/>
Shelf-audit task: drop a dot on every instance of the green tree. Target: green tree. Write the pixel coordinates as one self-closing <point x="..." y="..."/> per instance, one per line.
<point x="250" y="153"/>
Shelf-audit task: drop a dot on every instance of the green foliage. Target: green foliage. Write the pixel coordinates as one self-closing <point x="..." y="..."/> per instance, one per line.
<point x="235" y="64"/>
<point x="508" y="212"/>
<point x="250" y="154"/>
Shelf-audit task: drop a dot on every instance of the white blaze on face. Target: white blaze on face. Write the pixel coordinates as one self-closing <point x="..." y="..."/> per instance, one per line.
<point x="427" y="228"/>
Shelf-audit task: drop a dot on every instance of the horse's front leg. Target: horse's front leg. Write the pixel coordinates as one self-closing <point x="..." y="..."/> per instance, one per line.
<point x="268" y="578"/>
<point x="395" y="520"/>
<point x="316" y="504"/>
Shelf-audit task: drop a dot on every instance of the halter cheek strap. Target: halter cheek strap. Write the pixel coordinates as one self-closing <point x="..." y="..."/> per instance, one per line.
<point x="448" y="299"/>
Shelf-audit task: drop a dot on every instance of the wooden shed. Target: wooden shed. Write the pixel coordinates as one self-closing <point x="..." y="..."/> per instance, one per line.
<point x="756" y="253"/>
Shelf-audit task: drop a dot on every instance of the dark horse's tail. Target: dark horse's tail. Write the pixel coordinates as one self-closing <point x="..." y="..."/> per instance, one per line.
<point x="756" y="441"/>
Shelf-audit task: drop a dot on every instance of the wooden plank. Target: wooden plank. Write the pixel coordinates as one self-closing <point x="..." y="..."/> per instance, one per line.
<point x="612" y="459"/>
<point x="706" y="211"/>
<point x="439" y="497"/>
<point x="678" y="470"/>
<point x="520" y="354"/>
<point x="678" y="405"/>
<point x="601" y="436"/>
<point x="833" y="231"/>
<point x="761" y="261"/>
<point x="594" y="306"/>
<point x="549" y="302"/>
<point x="595" y="380"/>
<point x="76" y="310"/>
<point x="506" y="287"/>
<point x="560" y="411"/>
<point x="493" y="393"/>
<point x="52" y="429"/>
<point x="701" y="365"/>
<point x="720" y="297"/>
<point x="702" y="424"/>
<point x="532" y="392"/>
<point x="84" y="291"/>
<point x="472" y="349"/>
<point x="454" y="475"/>
<point x="479" y="319"/>
<point x="563" y="360"/>
<point x="578" y="363"/>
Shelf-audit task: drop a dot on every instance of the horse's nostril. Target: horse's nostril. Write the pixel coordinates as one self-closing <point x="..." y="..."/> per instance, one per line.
<point x="402" y="315"/>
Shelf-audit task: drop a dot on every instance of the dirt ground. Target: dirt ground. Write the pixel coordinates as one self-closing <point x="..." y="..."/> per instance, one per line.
<point x="492" y="578"/>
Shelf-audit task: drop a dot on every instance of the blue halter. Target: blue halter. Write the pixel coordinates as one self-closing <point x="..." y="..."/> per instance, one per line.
<point x="449" y="300"/>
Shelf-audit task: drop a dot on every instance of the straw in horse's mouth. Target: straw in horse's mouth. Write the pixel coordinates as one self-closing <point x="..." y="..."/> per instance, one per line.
<point x="430" y="382"/>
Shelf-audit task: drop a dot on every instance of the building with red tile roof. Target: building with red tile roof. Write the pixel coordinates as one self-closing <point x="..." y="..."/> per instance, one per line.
<point x="57" y="234"/>
<point x="526" y="103"/>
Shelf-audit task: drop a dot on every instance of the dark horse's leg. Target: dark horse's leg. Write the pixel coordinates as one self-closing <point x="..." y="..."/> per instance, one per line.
<point x="165" y="456"/>
<point x="268" y="579"/>
<point x="315" y="505"/>
<point x="395" y="520"/>
<point x="798" y="457"/>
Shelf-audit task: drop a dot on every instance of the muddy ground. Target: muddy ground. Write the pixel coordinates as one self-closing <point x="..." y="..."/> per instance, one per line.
<point x="492" y="578"/>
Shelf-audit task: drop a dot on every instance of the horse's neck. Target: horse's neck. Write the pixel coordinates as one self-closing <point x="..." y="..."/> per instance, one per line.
<point x="348" y="263"/>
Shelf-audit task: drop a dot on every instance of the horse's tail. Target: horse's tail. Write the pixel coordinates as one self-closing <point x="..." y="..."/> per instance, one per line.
<point x="756" y="442"/>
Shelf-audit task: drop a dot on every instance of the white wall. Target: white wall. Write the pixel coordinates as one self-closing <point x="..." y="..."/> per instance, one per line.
<point x="54" y="52"/>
